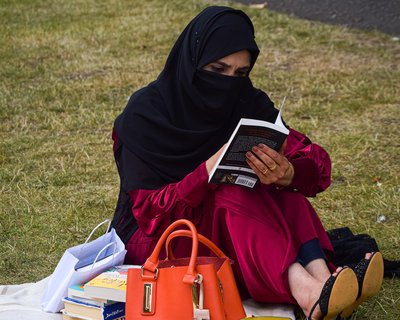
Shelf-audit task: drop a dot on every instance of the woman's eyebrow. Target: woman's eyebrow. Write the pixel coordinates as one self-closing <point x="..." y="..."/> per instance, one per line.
<point x="227" y="65"/>
<point x="222" y="63"/>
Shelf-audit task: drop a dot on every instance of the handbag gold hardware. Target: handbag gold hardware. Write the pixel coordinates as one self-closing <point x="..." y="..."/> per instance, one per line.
<point x="148" y="291"/>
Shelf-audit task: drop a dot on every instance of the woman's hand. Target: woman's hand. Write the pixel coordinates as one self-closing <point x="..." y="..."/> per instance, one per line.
<point x="211" y="162"/>
<point x="270" y="166"/>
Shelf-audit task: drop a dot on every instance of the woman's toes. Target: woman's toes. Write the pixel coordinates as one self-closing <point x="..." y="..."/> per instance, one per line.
<point x="368" y="255"/>
<point x="337" y="271"/>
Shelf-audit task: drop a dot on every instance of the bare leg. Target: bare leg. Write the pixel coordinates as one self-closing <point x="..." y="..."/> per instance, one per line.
<point x="307" y="282"/>
<point x="318" y="269"/>
<point x="306" y="288"/>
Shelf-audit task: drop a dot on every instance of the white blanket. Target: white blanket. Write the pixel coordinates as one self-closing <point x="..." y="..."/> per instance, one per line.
<point x="254" y="308"/>
<point x="22" y="302"/>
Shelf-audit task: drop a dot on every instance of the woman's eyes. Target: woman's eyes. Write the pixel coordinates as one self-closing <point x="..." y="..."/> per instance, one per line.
<point x="241" y="73"/>
<point x="223" y="70"/>
<point x="217" y="69"/>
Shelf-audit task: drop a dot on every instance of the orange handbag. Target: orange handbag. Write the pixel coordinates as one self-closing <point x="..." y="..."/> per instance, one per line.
<point x="183" y="288"/>
<point x="230" y="295"/>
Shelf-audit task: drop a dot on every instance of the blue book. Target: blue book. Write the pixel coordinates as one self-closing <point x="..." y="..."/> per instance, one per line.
<point x="80" y="309"/>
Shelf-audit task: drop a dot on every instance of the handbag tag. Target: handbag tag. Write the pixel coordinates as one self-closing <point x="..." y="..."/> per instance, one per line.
<point x="147" y="297"/>
<point x="198" y="300"/>
<point x="201" y="314"/>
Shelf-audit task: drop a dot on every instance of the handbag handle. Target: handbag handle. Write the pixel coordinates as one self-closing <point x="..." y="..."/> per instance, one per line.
<point x="202" y="239"/>
<point x="152" y="262"/>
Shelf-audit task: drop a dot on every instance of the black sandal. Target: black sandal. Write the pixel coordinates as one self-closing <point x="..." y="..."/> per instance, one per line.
<point x="369" y="274"/>
<point x="338" y="293"/>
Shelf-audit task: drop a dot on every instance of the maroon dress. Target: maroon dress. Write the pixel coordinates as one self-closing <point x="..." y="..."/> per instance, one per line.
<point x="260" y="229"/>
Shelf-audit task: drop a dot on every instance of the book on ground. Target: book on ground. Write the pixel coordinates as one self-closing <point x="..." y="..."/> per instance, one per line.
<point x="109" y="285"/>
<point x="78" y="309"/>
<point x="69" y="316"/>
<point x="77" y="292"/>
<point x="231" y="167"/>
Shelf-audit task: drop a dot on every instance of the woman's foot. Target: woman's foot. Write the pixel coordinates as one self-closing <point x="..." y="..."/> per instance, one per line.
<point x="369" y="272"/>
<point x="338" y="293"/>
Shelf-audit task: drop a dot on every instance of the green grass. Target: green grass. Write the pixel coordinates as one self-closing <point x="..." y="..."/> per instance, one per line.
<point x="68" y="67"/>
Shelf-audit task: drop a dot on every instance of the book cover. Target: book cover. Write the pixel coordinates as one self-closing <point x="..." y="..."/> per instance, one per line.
<point x="71" y="316"/>
<point x="67" y="316"/>
<point x="109" y="285"/>
<point x="231" y="167"/>
<point x="78" y="309"/>
<point x="77" y="292"/>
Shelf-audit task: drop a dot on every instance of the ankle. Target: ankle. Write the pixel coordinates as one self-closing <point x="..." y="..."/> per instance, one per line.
<point x="311" y="299"/>
<point x="307" y="296"/>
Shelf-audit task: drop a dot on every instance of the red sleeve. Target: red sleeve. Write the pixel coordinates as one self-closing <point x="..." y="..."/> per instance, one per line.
<point x="312" y="165"/>
<point x="154" y="210"/>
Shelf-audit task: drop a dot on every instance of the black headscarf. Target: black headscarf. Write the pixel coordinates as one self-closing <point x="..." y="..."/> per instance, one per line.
<point x="178" y="121"/>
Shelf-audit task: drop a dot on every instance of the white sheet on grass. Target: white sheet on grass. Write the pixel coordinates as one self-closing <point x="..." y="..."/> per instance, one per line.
<point x="22" y="302"/>
<point x="254" y="308"/>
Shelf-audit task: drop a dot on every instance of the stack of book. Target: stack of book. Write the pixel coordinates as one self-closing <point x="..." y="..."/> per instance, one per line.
<point x="102" y="298"/>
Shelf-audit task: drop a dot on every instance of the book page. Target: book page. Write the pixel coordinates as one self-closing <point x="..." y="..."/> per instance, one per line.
<point x="278" y="120"/>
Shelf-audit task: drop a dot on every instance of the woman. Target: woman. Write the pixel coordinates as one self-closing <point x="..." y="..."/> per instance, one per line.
<point x="167" y="140"/>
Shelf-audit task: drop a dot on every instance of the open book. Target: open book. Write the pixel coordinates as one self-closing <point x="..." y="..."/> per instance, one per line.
<point x="231" y="167"/>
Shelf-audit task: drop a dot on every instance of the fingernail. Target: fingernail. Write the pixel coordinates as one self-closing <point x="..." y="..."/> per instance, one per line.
<point x="249" y="154"/>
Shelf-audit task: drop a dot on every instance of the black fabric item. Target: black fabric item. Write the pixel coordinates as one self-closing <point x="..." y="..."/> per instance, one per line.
<point x="309" y="251"/>
<point x="180" y="120"/>
<point x="123" y="221"/>
<point x="349" y="249"/>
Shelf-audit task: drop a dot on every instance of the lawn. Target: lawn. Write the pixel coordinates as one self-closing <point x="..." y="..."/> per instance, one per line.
<point x="67" y="69"/>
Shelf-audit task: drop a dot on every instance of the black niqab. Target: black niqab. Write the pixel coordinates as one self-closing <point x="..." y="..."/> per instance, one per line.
<point x="180" y="120"/>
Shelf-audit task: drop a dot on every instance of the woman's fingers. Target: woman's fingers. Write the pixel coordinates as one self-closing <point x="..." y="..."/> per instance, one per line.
<point x="265" y="158"/>
<point x="264" y="173"/>
<point x="269" y="165"/>
<point x="275" y="157"/>
<point x="275" y="162"/>
<point x="256" y="164"/>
